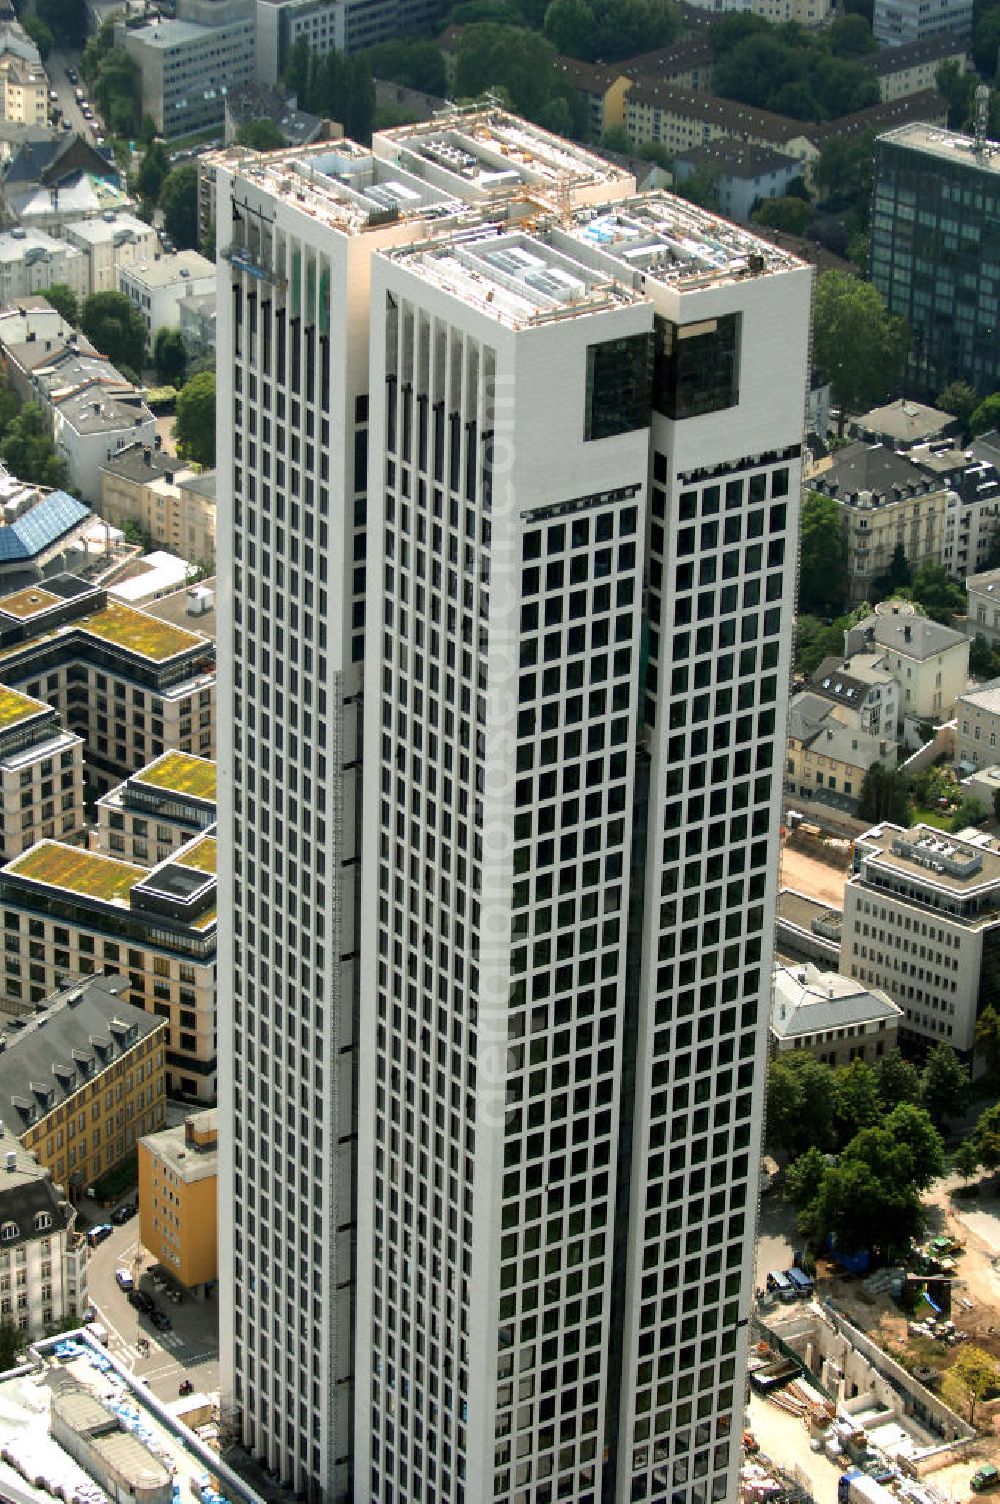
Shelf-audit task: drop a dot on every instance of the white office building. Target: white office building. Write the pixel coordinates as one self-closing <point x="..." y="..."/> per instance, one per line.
<point x="495" y="1028"/>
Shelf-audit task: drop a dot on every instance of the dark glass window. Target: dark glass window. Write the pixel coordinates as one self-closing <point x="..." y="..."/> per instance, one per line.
<point x="696" y="366"/>
<point x="618" y="379"/>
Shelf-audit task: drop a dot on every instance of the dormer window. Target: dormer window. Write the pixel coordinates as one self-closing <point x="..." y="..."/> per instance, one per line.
<point x="43" y="1221"/>
<point x="9" y="1231"/>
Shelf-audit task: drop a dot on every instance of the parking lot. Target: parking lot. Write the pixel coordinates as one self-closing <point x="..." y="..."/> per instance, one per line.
<point x="189" y="1350"/>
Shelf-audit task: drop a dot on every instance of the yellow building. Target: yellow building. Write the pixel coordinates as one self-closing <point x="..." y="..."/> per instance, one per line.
<point x="82" y="1079"/>
<point x="173" y="504"/>
<point x="25" y="90"/>
<point x="178" y="1177"/>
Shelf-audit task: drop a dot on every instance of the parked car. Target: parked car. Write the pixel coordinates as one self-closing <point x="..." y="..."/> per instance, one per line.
<point x="985" y="1477"/>
<point x="141" y="1301"/>
<point x="124" y="1280"/>
<point x="160" y="1320"/>
<point x="124" y="1213"/>
<point x="97" y="1234"/>
<point x="71" y="75"/>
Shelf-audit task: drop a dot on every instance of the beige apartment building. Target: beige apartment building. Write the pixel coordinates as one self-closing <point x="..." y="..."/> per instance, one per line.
<point x="41" y="775"/>
<point x="25" y="90"/>
<point x="157" y="809"/>
<point x="130" y="684"/>
<point x="825" y="755"/>
<point x="977" y="727"/>
<point x="982" y="612"/>
<point x="68" y="912"/>
<point x="922" y="922"/>
<point x="175" y="507"/>
<point x="929" y="662"/>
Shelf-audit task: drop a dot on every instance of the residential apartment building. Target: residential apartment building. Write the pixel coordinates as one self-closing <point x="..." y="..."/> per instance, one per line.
<point x="157" y="809"/>
<point x="827" y="759"/>
<point x="186" y="66"/>
<point x="43" y="1258"/>
<point x="936" y="204"/>
<point x="158" y="287"/>
<point x="82" y="1077"/>
<point x="805" y="12"/>
<point x="863" y="690"/>
<point x="24" y="88"/>
<point x="553" y="409"/>
<point x="41" y="775"/>
<point x="911" y="67"/>
<point x="896" y="23"/>
<point x="173" y="504"/>
<point x="929" y="662"/>
<point x="982" y="613"/>
<point x="972" y="518"/>
<point x="69" y="912"/>
<point x="977" y="726"/>
<point x="130" y="684"/>
<point x="110" y="242"/>
<point x="922" y="922"/>
<point x="91" y="423"/>
<point x="178" y="1182"/>
<point x="31" y="261"/>
<point x="831" y="1017"/>
<point x="886" y="503"/>
<point x="743" y="175"/>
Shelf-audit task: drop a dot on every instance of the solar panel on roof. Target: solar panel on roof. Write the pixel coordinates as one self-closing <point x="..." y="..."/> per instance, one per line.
<point x="52" y="517"/>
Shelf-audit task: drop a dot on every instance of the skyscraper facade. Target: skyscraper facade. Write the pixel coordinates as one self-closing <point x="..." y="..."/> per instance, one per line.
<point x="935" y="252"/>
<point x="526" y="449"/>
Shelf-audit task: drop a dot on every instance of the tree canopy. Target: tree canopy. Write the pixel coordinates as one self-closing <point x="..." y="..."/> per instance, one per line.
<point x="959" y="398"/>
<point x="793" y="215"/>
<point x="26" y="448"/>
<point x="64" y="301"/>
<point x="113" y="79"/>
<point x="169" y="357"/>
<point x="885" y="795"/>
<point x="973" y="1375"/>
<point x="858" y="346"/>
<point x="808" y="75"/>
<point x="610" y="29"/>
<point x="334" y="86"/>
<point x="823" y="584"/>
<point x="944" y="1085"/>
<point x="261" y="135"/>
<point x="414" y="62"/>
<point x="986" y="416"/>
<point x="153" y="170"/>
<point x="520" y="64"/>
<point x="195" y="425"/>
<point x="116" y="328"/>
<point x="179" y="202"/>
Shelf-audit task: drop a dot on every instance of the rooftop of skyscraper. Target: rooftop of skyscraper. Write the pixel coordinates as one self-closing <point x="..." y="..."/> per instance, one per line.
<point x="949" y="146"/>
<point x="518" y="278"/>
<point x="677" y="243"/>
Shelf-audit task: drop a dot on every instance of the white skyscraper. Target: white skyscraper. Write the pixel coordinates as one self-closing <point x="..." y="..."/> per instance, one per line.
<point x="493" y="1163"/>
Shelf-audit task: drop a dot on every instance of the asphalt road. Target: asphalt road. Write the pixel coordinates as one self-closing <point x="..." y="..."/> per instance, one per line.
<point x="189" y="1351"/>
<point x="55" y="66"/>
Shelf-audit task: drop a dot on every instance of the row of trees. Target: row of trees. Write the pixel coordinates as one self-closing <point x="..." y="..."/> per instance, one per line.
<point x="333" y="86"/>
<point x="808" y="75"/>
<point x="114" y="81"/>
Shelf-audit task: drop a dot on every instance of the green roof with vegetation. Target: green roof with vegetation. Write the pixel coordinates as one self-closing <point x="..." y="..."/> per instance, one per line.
<point x="201" y="856"/>
<point x="79" y="871"/>
<point x="16" y="707"/>
<point x="29" y="602"/>
<point x="182" y="773"/>
<point x="139" y="633"/>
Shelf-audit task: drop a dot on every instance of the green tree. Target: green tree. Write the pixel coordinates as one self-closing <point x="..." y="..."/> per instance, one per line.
<point x="965" y="1160"/>
<point x="986" y="416"/>
<point x="508" y="57"/>
<point x="986" y="1137"/>
<point x="984" y="661"/>
<point x="897" y="1079"/>
<point x="971" y="1377"/>
<point x="169" y="357"/>
<point x="12" y="1343"/>
<point x="569" y="26"/>
<point x="805" y="1177"/>
<point x="195" y="425"/>
<point x="414" y="62"/>
<point x="851" y="36"/>
<point x="799" y="1104"/>
<point x="986" y="38"/>
<point x="958" y="87"/>
<point x="179" y="202"/>
<point x="296" y="74"/>
<point x="791" y="214"/>
<point x="944" y="1085"/>
<point x="153" y="170"/>
<point x="701" y="186"/>
<point x="844" y="171"/>
<point x="616" y="138"/>
<point x="935" y="590"/>
<point x="823" y="586"/>
<point x="960" y="399"/>
<point x="63" y="300"/>
<point x="910" y="1126"/>
<point x="66" y="19"/>
<point x="857" y="346"/>
<point x="261" y="135"/>
<point x="116" y="328"/>
<point x="885" y="795"/>
<point x="206" y="244"/>
<point x="27" y="450"/>
<point x="988" y="1022"/>
<point x="898" y="576"/>
<point x="40" y="34"/>
<point x="856" y="1101"/>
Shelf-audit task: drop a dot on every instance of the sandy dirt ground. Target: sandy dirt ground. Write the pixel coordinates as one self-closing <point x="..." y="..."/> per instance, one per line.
<point x="814" y="878"/>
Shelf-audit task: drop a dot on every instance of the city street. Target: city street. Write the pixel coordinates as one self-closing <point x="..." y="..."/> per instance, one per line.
<point x="189" y="1351"/>
<point x="55" y="66"/>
